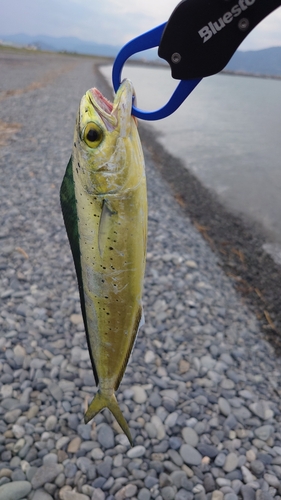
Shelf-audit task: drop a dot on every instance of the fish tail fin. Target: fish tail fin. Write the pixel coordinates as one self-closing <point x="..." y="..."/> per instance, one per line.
<point x="102" y="401"/>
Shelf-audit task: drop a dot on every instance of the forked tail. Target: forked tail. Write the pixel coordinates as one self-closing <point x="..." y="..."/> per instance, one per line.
<point x="102" y="401"/>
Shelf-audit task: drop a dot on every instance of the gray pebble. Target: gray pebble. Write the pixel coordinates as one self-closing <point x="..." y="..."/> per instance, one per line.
<point x="207" y="450"/>
<point x="144" y="494"/>
<point x="136" y="452"/>
<point x="84" y="430"/>
<point x="106" y="436"/>
<point x="190" y="455"/>
<point x="257" y="467"/>
<point x="70" y="470"/>
<point x="56" y="392"/>
<point x="104" y="468"/>
<point x="190" y="436"/>
<point x="183" y="495"/>
<point x="84" y="464"/>
<point x="230" y="496"/>
<point x="42" y="495"/>
<point x="209" y="483"/>
<point x="248" y="493"/>
<point x="224" y="406"/>
<point x="231" y="462"/>
<point x="264" y="432"/>
<point x="168" y="493"/>
<point x="18" y="475"/>
<point x="15" y="491"/>
<point x="220" y="459"/>
<point x="45" y="474"/>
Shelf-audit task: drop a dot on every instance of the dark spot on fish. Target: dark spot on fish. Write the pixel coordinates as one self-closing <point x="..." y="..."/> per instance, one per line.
<point x="104" y="267"/>
<point x="110" y="248"/>
<point x="102" y="281"/>
<point x="105" y="297"/>
<point x="75" y="144"/>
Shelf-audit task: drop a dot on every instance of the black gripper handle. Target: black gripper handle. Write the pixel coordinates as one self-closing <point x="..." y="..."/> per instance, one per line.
<point x="202" y="35"/>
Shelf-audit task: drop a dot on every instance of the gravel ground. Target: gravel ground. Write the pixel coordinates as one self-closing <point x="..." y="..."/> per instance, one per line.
<point x="201" y="390"/>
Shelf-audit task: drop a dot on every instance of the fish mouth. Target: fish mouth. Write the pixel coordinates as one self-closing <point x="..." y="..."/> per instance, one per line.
<point x="102" y="101"/>
<point x="119" y="110"/>
<point x="103" y="107"/>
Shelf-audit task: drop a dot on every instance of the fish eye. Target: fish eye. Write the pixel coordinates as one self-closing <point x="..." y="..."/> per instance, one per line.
<point x="93" y="135"/>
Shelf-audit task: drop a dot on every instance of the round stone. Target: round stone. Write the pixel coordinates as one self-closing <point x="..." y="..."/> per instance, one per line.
<point x="257" y="467"/>
<point x="140" y="395"/>
<point x="74" y="445"/>
<point x="144" y="494"/>
<point x="127" y="491"/>
<point x="264" y="432"/>
<point x="168" y="493"/>
<point x="272" y="480"/>
<point x="220" y="460"/>
<point x="15" y="490"/>
<point x="18" y="431"/>
<point x="136" y="452"/>
<point x="248" y="493"/>
<point x="207" y="450"/>
<point x="231" y="462"/>
<point x="224" y="406"/>
<point x="149" y="357"/>
<point x="97" y="454"/>
<point x="84" y="464"/>
<point x="227" y="384"/>
<point x="106" y="436"/>
<point x="190" y="436"/>
<point x="51" y="423"/>
<point x="190" y="455"/>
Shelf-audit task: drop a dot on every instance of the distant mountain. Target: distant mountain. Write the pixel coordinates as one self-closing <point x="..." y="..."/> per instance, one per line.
<point x="262" y="62"/>
<point x="69" y="44"/>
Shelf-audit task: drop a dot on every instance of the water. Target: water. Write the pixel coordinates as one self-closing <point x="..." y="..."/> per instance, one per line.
<point x="228" y="132"/>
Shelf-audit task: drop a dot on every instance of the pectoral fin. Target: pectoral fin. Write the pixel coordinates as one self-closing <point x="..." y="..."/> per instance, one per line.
<point x="69" y="211"/>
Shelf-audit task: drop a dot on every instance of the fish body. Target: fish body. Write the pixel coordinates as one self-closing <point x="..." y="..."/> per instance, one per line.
<point x="104" y="204"/>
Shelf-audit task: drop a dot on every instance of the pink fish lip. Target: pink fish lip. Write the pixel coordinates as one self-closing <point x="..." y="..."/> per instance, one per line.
<point x="99" y="98"/>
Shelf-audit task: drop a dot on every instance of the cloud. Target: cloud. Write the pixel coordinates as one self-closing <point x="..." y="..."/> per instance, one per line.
<point x="108" y="21"/>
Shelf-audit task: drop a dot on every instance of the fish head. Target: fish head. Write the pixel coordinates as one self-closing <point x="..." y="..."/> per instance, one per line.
<point x="106" y="141"/>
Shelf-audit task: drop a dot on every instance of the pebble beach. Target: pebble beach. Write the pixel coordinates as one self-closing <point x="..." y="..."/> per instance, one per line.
<point x="201" y="392"/>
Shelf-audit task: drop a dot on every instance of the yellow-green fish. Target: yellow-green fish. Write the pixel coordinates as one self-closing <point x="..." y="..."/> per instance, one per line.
<point x="104" y="205"/>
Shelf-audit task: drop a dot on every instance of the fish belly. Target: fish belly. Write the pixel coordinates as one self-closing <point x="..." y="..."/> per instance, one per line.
<point x="112" y="231"/>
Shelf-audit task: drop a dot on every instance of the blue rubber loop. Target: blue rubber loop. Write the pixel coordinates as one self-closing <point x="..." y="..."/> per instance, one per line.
<point x="143" y="42"/>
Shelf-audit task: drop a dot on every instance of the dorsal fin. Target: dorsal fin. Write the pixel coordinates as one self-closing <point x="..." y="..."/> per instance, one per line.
<point x="69" y="211"/>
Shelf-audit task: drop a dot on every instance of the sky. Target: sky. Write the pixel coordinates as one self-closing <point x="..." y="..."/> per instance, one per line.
<point x="109" y="21"/>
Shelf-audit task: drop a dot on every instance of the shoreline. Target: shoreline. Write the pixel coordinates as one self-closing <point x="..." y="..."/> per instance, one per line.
<point x="237" y="242"/>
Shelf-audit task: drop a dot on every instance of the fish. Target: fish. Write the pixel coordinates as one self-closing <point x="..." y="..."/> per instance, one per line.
<point x="104" y="205"/>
